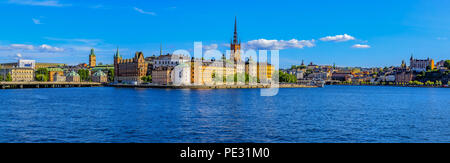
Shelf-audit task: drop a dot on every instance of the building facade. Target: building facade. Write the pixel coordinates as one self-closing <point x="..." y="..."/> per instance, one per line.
<point x="100" y="77"/>
<point x="73" y="77"/>
<point x="59" y="78"/>
<point x="129" y="70"/>
<point x="419" y="65"/>
<point x="18" y="74"/>
<point x="92" y="59"/>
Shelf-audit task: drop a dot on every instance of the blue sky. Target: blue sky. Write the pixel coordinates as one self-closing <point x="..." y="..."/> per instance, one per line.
<point x="346" y="32"/>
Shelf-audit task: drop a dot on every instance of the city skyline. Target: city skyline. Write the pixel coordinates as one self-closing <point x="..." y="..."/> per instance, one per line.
<point x="374" y="34"/>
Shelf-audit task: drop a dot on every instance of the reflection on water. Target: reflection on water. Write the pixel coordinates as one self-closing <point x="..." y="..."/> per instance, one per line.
<point x="330" y="114"/>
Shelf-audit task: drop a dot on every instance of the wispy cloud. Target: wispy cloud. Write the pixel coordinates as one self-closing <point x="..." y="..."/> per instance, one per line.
<point x="338" y="38"/>
<point x="48" y="3"/>
<point x="360" y="46"/>
<point x="81" y="40"/>
<point x="36" y="21"/>
<point x="144" y="12"/>
<point x="279" y="44"/>
<point x="441" y="38"/>
<point x="25" y="47"/>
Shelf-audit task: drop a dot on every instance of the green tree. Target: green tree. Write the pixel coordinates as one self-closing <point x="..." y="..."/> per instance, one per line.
<point x="111" y="74"/>
<point x="84" y="74"/>
<point x="8" y="77"/>
<point x="1" y="78"/>
<point x="147" y="79"/>
<point x="42" y="74"/>
<point x="41" y="77"/>
<point x="447" y="64"/>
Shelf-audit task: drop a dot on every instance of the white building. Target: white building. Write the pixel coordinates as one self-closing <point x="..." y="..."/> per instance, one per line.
<point x="26" y="63"/>
<point x="169" y="60"/>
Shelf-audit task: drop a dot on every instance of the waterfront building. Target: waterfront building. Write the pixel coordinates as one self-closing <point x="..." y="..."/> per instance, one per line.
<point x="59" y="78"/>
<point x="73" y="77"/>
<point x="129" y="70"/>
<point x="92" y="59"/>
<point x="100" y="77"/>
<point x="162" y="75"/>
<point x="342" y="76"/>
<point x="18" y="74"/>
<point x="403" y="74"/>
<point x="419" y="65"/>
<point x="30" y="64"/>
<point x="53" y="71"/>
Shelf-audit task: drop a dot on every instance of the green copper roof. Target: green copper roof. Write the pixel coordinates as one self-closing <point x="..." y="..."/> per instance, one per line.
<point x="99" y="73"/>
<point x="117" y="53"/>
<point x="54" y="69"/>
<point x="92" y="52"/>
<point x="73" y="73"/>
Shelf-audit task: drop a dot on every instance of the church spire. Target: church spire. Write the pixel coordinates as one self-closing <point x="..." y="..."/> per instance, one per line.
<point x="235" y="30"/>
<point x="117" y="52"/>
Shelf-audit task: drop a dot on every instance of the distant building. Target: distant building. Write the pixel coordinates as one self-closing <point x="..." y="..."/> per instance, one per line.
<point x="419" y="65"/>
<point x="48" y="65"/>
<point x="92" y="59"/>
<point x="73" y="77"/>
<point x="57" y="77"/>
<point x="169" y="60"/>
<point x="18" y="74"/>
<point x="162" y="75"/>
<point x="129" y="70"/>
<point x="26" y="63"/>
<point x="100" y="77"/>
<point x="53" y="71"/>
<point x="342" y="76"/>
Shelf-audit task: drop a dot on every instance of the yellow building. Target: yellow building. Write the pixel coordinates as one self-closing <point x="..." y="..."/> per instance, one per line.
<point x="92" y="59"/>
<point x="18" y="74"/>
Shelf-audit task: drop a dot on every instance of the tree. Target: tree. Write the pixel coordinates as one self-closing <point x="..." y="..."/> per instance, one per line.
<point x="8" y="77"/>
<point x="1" y="78"/>
<point x="111" y="74"/>
<point x="447" y="64"/>
<point x="84" y="74"/>
<point x="41" y="77"/>
<point x="147" y="79"/>
<point x="43" y="74"/>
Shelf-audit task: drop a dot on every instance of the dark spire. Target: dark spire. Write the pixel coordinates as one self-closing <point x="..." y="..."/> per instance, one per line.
<point x="235" y="30"/>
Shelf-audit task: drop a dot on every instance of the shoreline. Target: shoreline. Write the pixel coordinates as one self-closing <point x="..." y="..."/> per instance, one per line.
<point x="410" y="86"/>
<point x="210" y="86"/>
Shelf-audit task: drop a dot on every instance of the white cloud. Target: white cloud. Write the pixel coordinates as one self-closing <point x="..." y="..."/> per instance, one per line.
<point x="338" y="38"/>
<point x="48" y="3"/>
<point x="41" y="48"/>
<point x="49" y="48"/>
<point x="211" y="47"/>
<point x="144" y="12"/>
<point x="18" y="55"/>
<point x="36" y="21"/>
<point x="21" y="47"/>
<point x="359" y="46"/>
<point x="441" y="38"/>
<point x="279" y="44"/>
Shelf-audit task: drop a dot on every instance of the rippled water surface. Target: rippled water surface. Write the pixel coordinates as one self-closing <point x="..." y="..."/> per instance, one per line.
<point x="330" y="114"/>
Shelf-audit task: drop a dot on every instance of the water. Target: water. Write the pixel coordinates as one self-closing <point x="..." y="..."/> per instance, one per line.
<point x="330" y="114"/>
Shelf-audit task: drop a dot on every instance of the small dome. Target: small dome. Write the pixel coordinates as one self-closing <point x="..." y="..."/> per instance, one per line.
<point x="73" y="73"/>
<point x="99" y="73"/>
